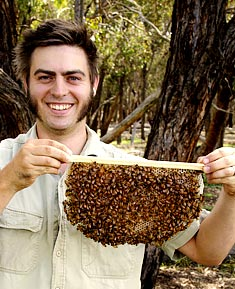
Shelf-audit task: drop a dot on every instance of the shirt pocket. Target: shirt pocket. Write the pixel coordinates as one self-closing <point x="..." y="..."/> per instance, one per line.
<point x="19" y="241"/>
<point x="107" y="262"/>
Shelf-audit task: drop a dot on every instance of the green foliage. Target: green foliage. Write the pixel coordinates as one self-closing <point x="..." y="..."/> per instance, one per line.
<point x="32" y="12"/>
<point x="124" y="47"/>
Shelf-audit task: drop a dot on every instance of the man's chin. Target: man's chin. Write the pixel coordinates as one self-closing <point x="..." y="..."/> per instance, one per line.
<point x="60" y="129"/>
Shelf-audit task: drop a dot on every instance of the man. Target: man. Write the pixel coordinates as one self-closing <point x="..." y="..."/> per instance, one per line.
<point x="39" y="248"/>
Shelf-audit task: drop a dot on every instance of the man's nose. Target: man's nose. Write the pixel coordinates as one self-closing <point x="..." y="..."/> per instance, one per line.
<point x="59" y="88"/>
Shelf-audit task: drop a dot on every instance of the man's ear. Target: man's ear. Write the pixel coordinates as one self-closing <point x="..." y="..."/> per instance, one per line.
<point x="25" y="85"/>
<point x="95" y="85"/>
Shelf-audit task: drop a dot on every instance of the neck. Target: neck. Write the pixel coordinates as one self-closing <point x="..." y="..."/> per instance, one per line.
<point x="74" y="140"/>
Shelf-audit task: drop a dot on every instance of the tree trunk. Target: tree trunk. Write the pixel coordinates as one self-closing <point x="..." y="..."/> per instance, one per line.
<point x="108" y="113"/>
<point x="214" y="135"/>
<point x="200" y="49"/>
<point x="217" y="124"/>
<point x="120" y="104"/>
<point x="193" y="74"/>
<point x="8" y="34"/>
<point x="152" y="260"/>
<point x="15" y="116"/>
<point x="78" y="10"/>
<point x="143" y="95"/>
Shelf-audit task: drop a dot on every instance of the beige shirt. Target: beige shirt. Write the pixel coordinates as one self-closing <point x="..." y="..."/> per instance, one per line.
<point x="40" y="249"/>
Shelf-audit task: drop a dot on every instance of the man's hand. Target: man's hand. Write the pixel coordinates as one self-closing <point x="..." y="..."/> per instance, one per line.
<point x="216" y="235"/>
<point x="35" y="158"/>
<point x="220" y="168"/>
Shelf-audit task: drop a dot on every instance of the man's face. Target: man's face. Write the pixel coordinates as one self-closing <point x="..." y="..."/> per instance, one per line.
<point x="59" y="87"/>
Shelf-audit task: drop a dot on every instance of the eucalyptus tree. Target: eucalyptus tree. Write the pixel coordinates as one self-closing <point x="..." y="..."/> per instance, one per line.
<point x="201" y="63"/>
<point x="15" y="116"/>
<point x="199" y="69"/>
<point x="8" y="34"/>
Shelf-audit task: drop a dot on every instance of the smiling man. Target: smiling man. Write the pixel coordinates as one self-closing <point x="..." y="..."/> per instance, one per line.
<point x="60" y="91"/>
<point x="39" y="248"/>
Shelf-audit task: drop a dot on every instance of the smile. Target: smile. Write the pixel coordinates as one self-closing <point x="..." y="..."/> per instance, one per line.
<point x="60" y="106"/>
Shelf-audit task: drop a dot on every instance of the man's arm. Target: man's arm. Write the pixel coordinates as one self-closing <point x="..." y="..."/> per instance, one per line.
<point x="216" y="235"/>
<point x="35" y="158"/>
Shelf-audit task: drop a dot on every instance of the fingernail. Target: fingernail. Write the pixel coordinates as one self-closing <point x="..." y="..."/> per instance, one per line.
<point x="205" y="161"/>
<point x="207" y="169"/>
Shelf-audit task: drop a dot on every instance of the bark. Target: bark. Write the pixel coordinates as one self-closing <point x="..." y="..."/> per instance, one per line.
<point x="8" y="34"/>
<point x="152" y="260"/>
<point x="108" y="113"/>
<point x="216" y="126"/>
<point x="194" y="70"/>
<point x="214" y="135"/>
<point x="120" y="104"/>
<point x="143" y="96"/>
<point x="79" y="10"/>
<point x="15" y="116"/>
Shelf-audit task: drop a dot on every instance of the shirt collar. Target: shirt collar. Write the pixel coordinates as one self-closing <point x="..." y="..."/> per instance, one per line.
<point x="92" y="146"/>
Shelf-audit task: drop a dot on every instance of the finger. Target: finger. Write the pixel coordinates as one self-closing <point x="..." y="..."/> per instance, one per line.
<point x="43" y="163"/>
<point x="226" y="162"/>
<point x="48" y="148"/>
<point x="217" y="154"/>
<point x="49" y="142"/>
<point x="30" y="175"/>
<point x="59" y="146"/>
<point x="200" y="159"/>
<point x="48" y="153"/>
<point x="222" y="174"/>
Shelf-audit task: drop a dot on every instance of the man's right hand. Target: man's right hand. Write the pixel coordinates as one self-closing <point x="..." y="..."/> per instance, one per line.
<point x="36" y="157"/>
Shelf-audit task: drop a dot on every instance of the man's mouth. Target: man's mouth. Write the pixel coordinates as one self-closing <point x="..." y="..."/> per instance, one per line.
<point x="59" y="106"/>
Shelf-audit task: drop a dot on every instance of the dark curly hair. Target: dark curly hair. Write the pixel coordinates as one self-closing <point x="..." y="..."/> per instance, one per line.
<point x="54" y="32"/>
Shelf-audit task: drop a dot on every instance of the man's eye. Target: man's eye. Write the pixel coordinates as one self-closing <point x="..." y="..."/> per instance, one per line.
<point x="44" y="78"/>
<point x="74" y="78"/>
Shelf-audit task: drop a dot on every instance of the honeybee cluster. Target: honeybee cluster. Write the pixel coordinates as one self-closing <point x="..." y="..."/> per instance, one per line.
<point x="118" y="204"/>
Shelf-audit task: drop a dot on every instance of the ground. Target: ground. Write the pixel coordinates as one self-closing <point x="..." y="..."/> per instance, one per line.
<point x="194" y="277"/>
<point x="186" y="274"/>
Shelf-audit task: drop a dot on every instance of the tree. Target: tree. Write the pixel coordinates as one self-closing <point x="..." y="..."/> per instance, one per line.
<point x="15" y="116"/>
<point x="8" y="34"/>
<point x="79" y="10"/>
<point x="202" y="56"/>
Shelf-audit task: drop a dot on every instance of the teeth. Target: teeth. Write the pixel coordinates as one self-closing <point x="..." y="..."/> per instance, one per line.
<point x="60" y="106"/>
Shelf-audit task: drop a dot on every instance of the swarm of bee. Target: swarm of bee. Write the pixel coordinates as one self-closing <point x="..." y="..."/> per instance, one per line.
<point x="118" y="204"/>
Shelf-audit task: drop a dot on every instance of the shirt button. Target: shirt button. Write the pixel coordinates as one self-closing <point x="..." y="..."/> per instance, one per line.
<point x="58" y="254"/>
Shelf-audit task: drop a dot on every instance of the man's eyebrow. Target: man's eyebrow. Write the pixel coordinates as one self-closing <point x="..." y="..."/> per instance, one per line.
<point x="69" y="72"/>
<point x="40" y="70"/>
<point x="49" y="72"/>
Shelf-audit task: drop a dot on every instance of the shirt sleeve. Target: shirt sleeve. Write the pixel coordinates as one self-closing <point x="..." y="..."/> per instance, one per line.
<point x="181" y="238"/>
